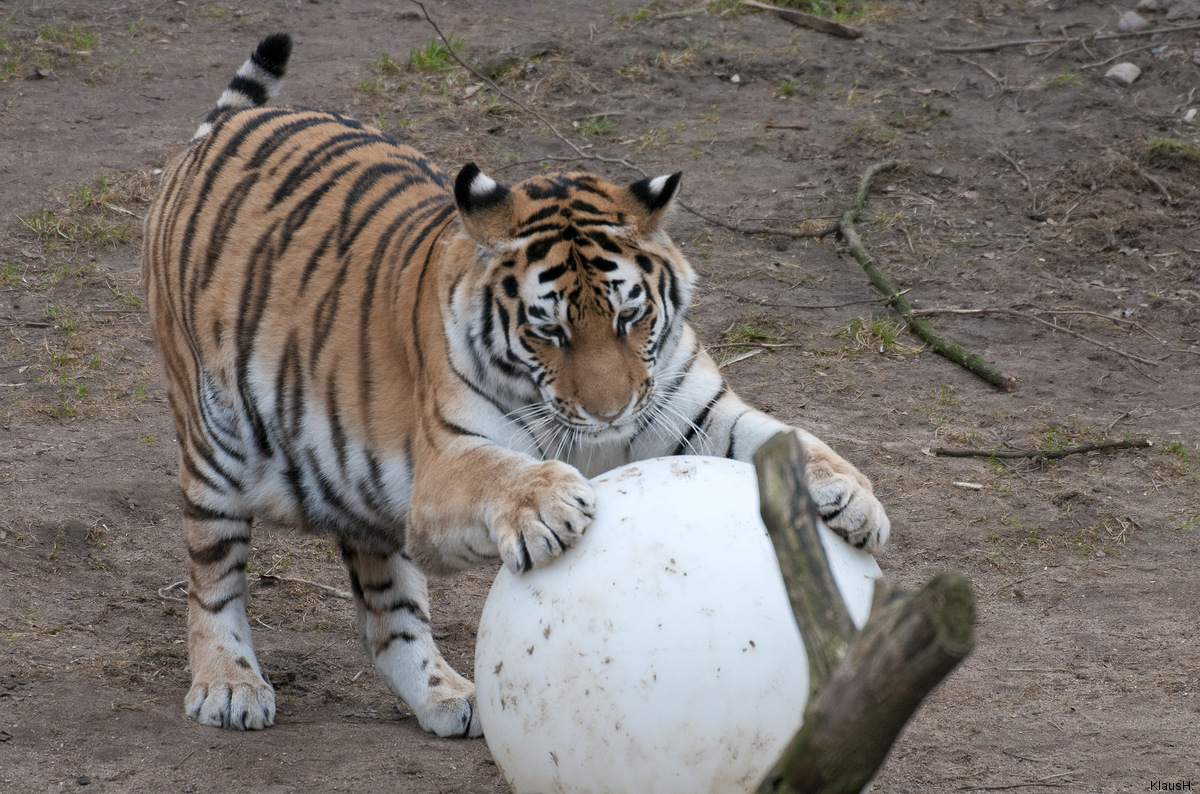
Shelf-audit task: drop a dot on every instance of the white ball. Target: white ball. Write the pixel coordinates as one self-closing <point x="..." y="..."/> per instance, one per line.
<point x="660" y="654"/>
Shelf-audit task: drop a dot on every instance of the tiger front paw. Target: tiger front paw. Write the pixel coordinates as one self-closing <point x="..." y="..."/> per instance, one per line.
<point x="846" y="504"/>
<point x="240" y="705"/>
<point x="543" y="515"/>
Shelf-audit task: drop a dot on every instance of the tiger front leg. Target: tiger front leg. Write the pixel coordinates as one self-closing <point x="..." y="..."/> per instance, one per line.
<point x="393" y="623"/>
<point x="485" y="501"/>
<point x="228" y="689"/>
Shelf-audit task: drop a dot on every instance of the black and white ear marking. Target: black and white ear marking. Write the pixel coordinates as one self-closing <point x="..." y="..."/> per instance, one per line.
<point x="657" y="192"/>
<point x="484" y="207"/>
<point x="475" y="190"/>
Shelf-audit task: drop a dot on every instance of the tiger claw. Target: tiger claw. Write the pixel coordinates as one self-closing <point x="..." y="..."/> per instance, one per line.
<point x="547" y="514"/>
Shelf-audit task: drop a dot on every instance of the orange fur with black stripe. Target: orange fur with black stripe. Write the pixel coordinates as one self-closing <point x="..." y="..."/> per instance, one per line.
<point x="424" y="368"/>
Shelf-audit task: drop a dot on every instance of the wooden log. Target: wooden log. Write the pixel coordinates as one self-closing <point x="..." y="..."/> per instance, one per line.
<point x="909" y="644"/>
<point x="791" y="519"/>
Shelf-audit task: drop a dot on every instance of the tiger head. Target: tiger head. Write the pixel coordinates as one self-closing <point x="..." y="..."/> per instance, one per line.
<point x="580" y="295"/>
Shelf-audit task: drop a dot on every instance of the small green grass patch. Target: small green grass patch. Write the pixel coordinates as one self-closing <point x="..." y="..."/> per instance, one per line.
<point x="434" y="56"/>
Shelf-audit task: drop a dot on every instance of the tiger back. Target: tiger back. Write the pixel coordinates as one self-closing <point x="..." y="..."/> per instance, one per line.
<point x="423" y="368"/>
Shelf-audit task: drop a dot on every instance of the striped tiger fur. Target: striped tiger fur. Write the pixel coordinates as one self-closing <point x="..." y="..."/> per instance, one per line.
<point x="424" y="368"/>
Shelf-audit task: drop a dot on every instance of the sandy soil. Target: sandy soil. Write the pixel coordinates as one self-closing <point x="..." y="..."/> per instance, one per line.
<point x="1029" y="183"/>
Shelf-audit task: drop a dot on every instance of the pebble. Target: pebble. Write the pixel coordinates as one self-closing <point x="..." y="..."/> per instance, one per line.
<point x="1132" y="22"/>
<point x="1124" y="73"/>
<point x="1148" y="5"/>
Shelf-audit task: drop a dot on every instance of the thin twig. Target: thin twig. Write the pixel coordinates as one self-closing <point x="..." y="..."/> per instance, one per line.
<point x="999" y="80"/>
<point x="729" y="362"/>
<point x="1113" y="423"/>
<point x="1107" y="61"/>
<point x="804" y="306"/>
<point x="1012" y="786"/>
<point x="999" y="45"/>
<point x="1016" y="165"/>
<point x="1042" y="454"/>
<point x="1041" y="781"/>
<point x="1026" y="316"/>
<point x="1152" y="180"/>
<point x="1121" y="321"/>
<point x="737" y="227"/>
<point x="165" y="592"/>
<point x="687" y="12"/>
<point x="267" y="577"/>
<point x="763" y="345"/>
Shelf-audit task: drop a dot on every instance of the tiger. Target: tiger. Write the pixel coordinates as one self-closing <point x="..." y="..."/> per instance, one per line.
<point x="426" y="370"/>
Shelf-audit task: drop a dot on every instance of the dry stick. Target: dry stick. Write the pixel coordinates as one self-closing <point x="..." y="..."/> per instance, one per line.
<point x="999" y="45"/>
<point x="1016" y="165"/>
<point x="865" y="685"/>
<point x="1123" y="321"/>
<point x="1107" y="61"/>
<point x="1028" y="181"/>
<point x="1042" y="454"/>
<point x="165" y="592"/>
<point x="1014" y="785"/>
<point x="938" y="343"/>
<point x="987" y="71"/>
<point x="1024" y="316"/>
<point x="267" y="577"/>
<point x="808" y="20"/>
<point x="738" y="227"/>
<point x="805" y="306"/>
<point x="763" y="345"/>
<point x="687" y="12"/>
<point x="1144" y="175"/>
<point x="1113" y="423"/>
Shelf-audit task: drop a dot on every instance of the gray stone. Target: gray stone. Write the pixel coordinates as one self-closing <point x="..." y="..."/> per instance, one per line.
<point x="1124" y="73"/>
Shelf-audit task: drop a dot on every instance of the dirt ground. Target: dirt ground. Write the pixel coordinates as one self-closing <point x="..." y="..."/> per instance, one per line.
<point x="1029" y="183"/>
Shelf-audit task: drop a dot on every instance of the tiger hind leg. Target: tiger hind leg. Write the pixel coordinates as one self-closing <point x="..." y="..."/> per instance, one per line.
<point x="393" y="623"/>
<point x="228" y="689"/>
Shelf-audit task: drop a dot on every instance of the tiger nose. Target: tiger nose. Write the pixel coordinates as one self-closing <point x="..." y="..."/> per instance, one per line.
<point x="608" y="419"/>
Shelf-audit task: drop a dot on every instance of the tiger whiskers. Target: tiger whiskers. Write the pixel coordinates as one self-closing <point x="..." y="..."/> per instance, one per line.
<point x="678" y="430"/>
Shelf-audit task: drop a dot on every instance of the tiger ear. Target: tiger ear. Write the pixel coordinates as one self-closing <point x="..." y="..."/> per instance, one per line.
<point x="484" y="206"/>
<point x="654" y="198"/>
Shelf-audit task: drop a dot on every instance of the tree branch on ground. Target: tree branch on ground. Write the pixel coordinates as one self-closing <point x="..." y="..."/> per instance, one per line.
<point x="1043" y="454"/>
<point x="938" y="343"/>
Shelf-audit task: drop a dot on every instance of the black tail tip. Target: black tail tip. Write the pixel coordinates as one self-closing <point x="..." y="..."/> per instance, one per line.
<point x="272" y="54"/>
